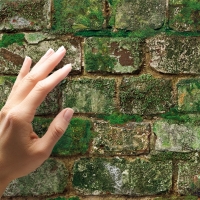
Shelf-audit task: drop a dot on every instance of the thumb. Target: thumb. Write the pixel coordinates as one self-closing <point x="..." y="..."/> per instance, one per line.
<point x="57" y="128"/>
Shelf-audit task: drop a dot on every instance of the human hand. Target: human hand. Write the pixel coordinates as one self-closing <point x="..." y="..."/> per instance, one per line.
<point x="21" y="150"/>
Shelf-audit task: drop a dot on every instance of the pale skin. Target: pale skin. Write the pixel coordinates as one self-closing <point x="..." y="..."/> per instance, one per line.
<point x="21" y="150"/>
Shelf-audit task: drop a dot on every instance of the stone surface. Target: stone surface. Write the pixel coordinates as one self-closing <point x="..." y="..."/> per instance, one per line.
<point x="116" y="55"/>
<point x="129" y="139"/>
<point x="118" y="176"/>
<point x="189" y="95"/>
<point x="71" y="16"/>
<point x="189" y="178"/>
<point x="174" y="54"/>
<point x="145" y="95"/>
<point x="14" y="49"/>
<point x="177" y="137"/>
<point x="48" y="179"/>
<point x="184" y="15"/>
<point x="25" y="14"/>
<point x="138" y="14"/>
<point x="87" y="95"/>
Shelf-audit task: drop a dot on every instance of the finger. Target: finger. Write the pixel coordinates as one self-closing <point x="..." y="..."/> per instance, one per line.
<point x="39" y="92"/>
<point x="36" y="74"/>
<point x="56" y="129"/>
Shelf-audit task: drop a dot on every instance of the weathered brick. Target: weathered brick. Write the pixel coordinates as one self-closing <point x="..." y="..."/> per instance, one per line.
<point x="184" y="15"/>
<point x="129" y="139"/>
<point x="189" y="95"/>
<point x="48" y="179"/>
<point x="87" y="95"/>
<point x="138" y="14"/>
<point x="174" y="54"/>
<point x="119" y="176"/>
<point x="13" y="49"/>
<point x="176" y="136"/>
<point x="145" y="95"/>
<point x="115" y="55"/>
<point x="25" y="14"/>
<point x="71" y="16"/>
<point x="188" y="178"/>
<point x="75" y="140"/>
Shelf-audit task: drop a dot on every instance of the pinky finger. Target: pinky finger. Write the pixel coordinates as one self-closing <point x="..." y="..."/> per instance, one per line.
<point x="24" y="70"/>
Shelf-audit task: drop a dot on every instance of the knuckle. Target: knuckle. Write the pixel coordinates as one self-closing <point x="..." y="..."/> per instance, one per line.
<point x="58" y="131"/>
<point x="12" y="116"/>
<point x="40" y="86"/>
<point x="31" y="78"/>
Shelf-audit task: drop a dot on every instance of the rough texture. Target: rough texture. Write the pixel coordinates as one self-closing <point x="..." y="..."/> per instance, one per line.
<point x="138" y="14"/>
<point x="129" y="139"/>
<point x="177" y="137"/>
<point x="90" y="95"/>
<point x="25" y="15"/>
<point x="174" y="55"/>
<point x="117" y="176"/>
<point x="70" y="16"/>
<point x="188" y="95"/>
<point x="184" y="15"/>
<point x="145" y="95"/>
<point x="50" y="178"/>
<point x="116" y="55"/>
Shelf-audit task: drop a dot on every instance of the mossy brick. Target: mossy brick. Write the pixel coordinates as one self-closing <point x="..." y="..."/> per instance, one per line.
<point x="25" y="15"/>
<point x="138" y="14"/>
<point x="86" y="95"/>
<point x="118" y="176"/>
<point x="6" y="84"/>
<point x="129" y="139"/>
<point x="145" y="95"/>
<point x="64" y="198"/>
<point x="188" y="178"/>
<point x="184" y="15"/>
<point x="75" y="140"/>
<point x="115" y="55"/>
<point x="169" y="197"/>
<point x="14" y="47"/>
<point x="174" y="54"/>
<point x="48" y="179"/>
<point x="189" y="95"/>
<point x="71" y="16"/>
<point x="176" y="137"/>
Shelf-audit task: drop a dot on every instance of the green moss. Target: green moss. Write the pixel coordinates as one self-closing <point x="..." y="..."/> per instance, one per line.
<point x="99" y="62"/>
<point x="76" y="139"/>
<point x="9" y="39"/>
<point x="119" y="118"/>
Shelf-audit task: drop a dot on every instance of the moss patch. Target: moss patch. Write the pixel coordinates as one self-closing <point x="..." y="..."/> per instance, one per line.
<point x="9" y="39"/>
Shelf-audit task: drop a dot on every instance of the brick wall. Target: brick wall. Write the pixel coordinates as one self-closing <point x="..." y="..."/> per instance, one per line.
<point x="135" y="89"/>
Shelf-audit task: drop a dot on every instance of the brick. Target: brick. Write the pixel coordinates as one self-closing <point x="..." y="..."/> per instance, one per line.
<point x="49" y="106"/>
<point x="75" y="140"/>
<point x="13" y="49"/>
<point x="188" y="178"/>
<point x="189" y="95"/>
<point x="115" y="55"/>
<point x="25" y="15"/>
<point x="145" y="95"/>
<point x="119" y="176"/>
<point x="177" y="137"/>
<point x="86" y="95"/>
<point x="138" y="15"/>
<point x="71" y="16"/>
<point x="48" y="179"/>
<point x="174" y="54"/>
<point x="184" y="15"/>
<point x="129" y="139"/>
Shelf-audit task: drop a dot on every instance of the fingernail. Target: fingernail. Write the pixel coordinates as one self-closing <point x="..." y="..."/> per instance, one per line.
<point x="48" y="52"/>
<point x="60" y="49"/>
<point x="68" y="114"/>
<point x="67" y="66"/>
